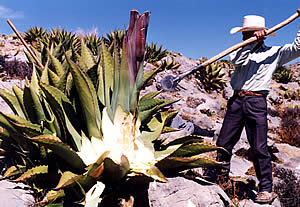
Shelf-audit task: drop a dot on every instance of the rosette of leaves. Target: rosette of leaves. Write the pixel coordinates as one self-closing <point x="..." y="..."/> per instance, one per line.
<point x="283" y="75"/>
<point x="211" y="78"/>
<point x="154" y="53"/>
<point x="34" y="34"/>
<point x="114" y="39"/>
<point x="168" y="65"/>
<point x="98" y="132"/>
<point x="93" y="42"/>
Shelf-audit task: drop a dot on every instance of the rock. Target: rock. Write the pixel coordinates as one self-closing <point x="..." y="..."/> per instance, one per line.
<point x="210" y="105"/>
<point x="292" y="164"/>
<point x="227" y="92"/>
<point x="202" y="121"/>
<point x="15" y="194"/>
<point x="250" y="203"/>
<point x="274" y="122"/>
<point x="274" y="97"/>
<point x="179" y="192"/>
<point x="8" y="85"/>
<point x="239" y="167"/>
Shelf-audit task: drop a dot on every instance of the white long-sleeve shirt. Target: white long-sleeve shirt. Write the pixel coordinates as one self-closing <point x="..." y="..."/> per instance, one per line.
<point x="254" y="67"/>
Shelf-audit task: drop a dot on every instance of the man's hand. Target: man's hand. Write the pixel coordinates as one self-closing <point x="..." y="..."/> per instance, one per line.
<point x="261" y="34"/>
<point x="298" y="10"/>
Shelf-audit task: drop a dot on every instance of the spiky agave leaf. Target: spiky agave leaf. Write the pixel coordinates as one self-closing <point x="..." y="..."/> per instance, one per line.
<point x="183" y="163"/>
<point x="33" y="172"/>
<point x="88" y="99"/>
<point x="69" y="179"/>
<point x="61" y="149"/>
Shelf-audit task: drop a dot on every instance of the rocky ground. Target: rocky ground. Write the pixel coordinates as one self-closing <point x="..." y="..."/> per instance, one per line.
<point x="206" y="110"/>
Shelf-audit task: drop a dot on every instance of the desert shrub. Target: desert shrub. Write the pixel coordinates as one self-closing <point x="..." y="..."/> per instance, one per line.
<point x="283" y="75"/>
<point x="17" y="69"/>
<point x="289" y="130"/>
<point x="288" y="187"/>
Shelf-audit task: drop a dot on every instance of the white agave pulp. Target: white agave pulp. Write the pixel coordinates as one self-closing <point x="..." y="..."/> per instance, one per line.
<point x="120" y="137"/>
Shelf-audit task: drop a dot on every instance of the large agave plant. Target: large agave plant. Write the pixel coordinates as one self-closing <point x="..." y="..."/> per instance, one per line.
<point x="81" y="122"/>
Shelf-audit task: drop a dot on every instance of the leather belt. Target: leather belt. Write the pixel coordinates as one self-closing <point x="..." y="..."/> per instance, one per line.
<point x="243" y="93"/>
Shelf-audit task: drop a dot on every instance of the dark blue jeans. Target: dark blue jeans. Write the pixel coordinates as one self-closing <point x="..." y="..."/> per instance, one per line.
<point x="249" y="112"/>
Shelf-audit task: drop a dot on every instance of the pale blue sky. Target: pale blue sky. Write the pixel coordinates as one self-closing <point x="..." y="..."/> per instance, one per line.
<point x="194" y="28"/>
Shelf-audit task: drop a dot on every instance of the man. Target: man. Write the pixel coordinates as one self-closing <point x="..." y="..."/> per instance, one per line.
<point x="254" y="67"/>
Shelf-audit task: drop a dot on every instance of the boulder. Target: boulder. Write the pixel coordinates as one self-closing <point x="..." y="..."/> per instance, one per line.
<point x="15" y="194"/>
<point x="179" y="192"/>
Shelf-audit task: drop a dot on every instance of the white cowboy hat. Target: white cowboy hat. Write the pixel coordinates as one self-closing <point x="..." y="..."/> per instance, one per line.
<point x="251" y="23"/>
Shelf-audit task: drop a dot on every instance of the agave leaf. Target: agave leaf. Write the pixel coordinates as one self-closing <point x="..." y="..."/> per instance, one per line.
<point x="152" y="172"/>
<point x="19" y="92"/>
<point x="62" y="150"/>
<point x="161" y="154"/>
<point x="126" y="84"/>
<point x="116" y="88"/>
<point x="33" y="172"/>
<point x="88" y="99"/>
<point x="23" y="125"/>
<point x="147" y="104"/>
<point x="86" y="60"/>
<point x="55" y="79"/>
<point x="195" y="148"/>
<point x="169" y="129"/>
<point x="101" y="86"/>
<point x="107" y="65"/>
<point x="156" y="126"/>
<point x="182" y="163"/>
<point x="12" y="100"/>
<point x="148" y="76"/>
<point x="59" y="69"/>
<point x="150" y="95"/>
<point x="61" y="85"/>
<point x="32" y="101"/>
<point x="69" y="179"/>
<point x="45" y="76"/>
<point x="180" y="140"/>
<point x="96" y="169"/>
<point x="14" y="170"/>
<point x="64" y="111"/>
<point x="114" y="172"/>
<point x="52" y="196"/>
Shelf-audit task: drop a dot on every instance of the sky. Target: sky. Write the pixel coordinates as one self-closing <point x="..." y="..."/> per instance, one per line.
<point x="194" y="28"/>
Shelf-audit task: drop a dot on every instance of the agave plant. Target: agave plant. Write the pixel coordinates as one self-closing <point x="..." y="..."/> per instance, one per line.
<point x="169" y="65"/>
<point x="93" y="42"/>
<point x="114" y="39"/>
<point x="34" y="33"/>
<point x="118" y="135"/>
<point x="154" y="53"/>
<point x="211" y="78"/>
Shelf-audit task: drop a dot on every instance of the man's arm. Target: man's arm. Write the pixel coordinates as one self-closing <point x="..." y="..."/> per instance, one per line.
<point x="290" y="52"/>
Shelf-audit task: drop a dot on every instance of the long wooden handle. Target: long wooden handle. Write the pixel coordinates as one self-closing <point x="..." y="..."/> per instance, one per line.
<point x="250" y="40"/>
<point x="25" y="44"/>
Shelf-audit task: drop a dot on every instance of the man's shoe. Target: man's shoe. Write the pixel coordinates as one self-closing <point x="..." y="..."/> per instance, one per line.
<point x="265" y="197"/>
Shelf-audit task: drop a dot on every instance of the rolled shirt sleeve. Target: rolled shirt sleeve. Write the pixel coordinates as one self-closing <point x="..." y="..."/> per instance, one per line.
<point x="254" y="68"/>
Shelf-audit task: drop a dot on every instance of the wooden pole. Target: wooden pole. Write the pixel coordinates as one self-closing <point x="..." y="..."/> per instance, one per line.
<point x="25" y="44"/>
